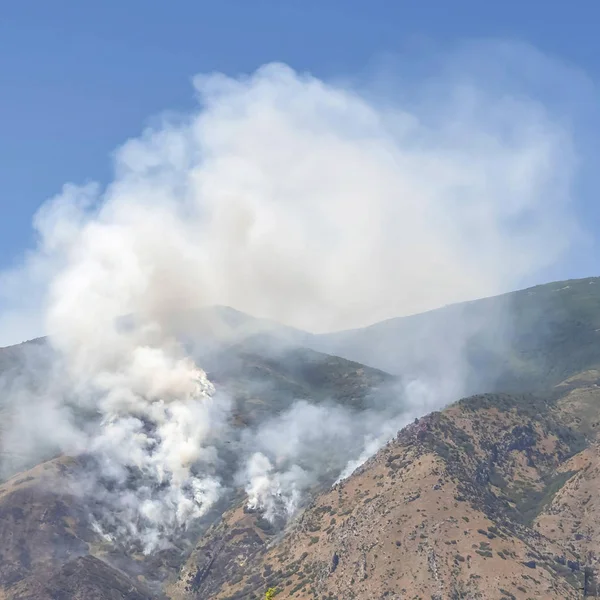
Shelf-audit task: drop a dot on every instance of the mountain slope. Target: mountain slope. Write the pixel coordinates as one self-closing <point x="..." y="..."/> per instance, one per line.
<point x="48" y="543"/>
<point x="494" y="497"/>
<point x="530" y="339"/>
<point x="489" y="499"/>
<point x="265" y="377"/>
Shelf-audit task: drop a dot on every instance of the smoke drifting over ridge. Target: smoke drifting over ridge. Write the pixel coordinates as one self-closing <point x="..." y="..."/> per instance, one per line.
<point x="290" y="198"/>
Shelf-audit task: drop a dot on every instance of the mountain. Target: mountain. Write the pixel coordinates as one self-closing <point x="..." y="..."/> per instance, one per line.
<point x="520" y="341"/>
<point x="49" y="545"/>
<point x="283" y="374"/>
<point x="523" y="340"/>
<point x="493" y="497"/>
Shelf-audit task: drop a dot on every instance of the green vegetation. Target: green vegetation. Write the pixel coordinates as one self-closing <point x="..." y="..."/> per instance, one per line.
<point x="530" y="502"/>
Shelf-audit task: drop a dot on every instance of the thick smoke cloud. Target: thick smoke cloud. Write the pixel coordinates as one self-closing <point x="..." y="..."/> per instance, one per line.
<point x="314" y="204"/>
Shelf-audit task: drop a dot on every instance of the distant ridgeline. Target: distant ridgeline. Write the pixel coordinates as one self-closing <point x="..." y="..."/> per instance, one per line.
<point x="523" y="340"/>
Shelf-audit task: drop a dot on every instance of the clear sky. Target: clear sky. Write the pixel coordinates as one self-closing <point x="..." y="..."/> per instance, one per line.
<point x="78" y="78"/>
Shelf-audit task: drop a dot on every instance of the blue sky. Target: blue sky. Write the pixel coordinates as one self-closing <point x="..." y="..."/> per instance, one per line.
<point x="79" y="78"/>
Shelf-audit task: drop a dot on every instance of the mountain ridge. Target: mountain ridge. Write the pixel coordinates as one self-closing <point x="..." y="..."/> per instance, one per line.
<point x="492" y="497"/>
<point x="461" y="504"/>
<point x="496" y="343"/>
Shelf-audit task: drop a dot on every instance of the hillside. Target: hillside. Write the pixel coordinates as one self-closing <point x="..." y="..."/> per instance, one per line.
<point x="529" y="339"/>
<point x="494" y="497"/>
<point x="524" y="340"/>
<point x="47" y="541"/>
<point x="49" y="547"/>
<point x="260" y="375"/>
<point x="491" y="498"/>
<point x="283" y="374"/>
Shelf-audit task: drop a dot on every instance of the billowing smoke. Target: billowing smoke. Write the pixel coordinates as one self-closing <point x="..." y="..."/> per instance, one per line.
<point x="312" y="445"/>
<point x="318" y="205"/>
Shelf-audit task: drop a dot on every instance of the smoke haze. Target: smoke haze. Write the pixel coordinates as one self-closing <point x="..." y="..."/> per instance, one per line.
<point x="320" y="205"/>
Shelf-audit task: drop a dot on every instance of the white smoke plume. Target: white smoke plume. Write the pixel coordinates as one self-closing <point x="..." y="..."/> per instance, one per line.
<point x="319" y="205"/>
<point x="309" y="445"/>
